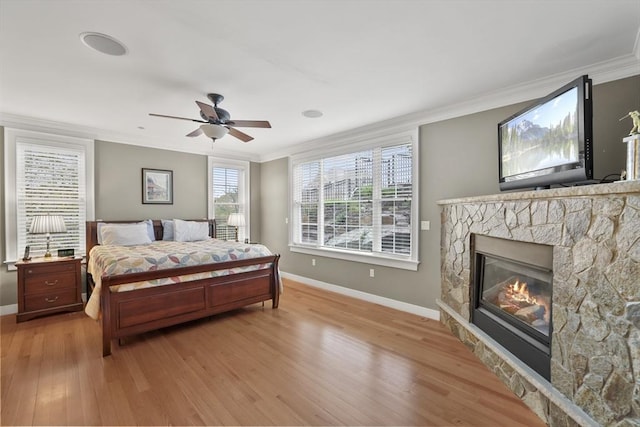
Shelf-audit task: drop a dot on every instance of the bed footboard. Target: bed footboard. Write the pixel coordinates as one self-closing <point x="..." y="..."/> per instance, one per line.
<point x="141" y="310"/>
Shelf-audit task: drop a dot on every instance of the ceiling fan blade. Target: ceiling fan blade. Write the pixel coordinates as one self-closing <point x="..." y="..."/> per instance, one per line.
<point x="196" y="132"/>
<point x="208" y="110"/>
<point x="176" y="117"/>
<point x="240" y="135"/>
<point x="250" y="123"/>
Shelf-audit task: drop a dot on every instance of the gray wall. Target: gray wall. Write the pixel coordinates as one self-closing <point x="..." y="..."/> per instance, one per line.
<point x="255" y="225"/>
<point x="118" y="182"/>
<point x="274" y="203"/>
<point x="458" y="158"/>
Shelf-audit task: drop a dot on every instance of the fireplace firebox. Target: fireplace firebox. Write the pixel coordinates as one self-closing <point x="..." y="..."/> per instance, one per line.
<point x="511" y="297"/>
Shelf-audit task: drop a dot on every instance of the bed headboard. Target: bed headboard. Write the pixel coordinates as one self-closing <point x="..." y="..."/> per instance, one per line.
<point x="92" y="230"/>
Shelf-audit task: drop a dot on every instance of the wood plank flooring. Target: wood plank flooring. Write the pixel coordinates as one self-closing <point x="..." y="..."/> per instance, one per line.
<point x="320" y="359"/>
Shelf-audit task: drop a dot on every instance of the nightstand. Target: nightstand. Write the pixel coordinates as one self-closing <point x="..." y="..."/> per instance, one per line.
<point x="48" y="285"/>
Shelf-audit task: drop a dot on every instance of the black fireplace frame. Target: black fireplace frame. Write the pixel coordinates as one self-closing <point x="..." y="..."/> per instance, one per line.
<point x="527" y="344"/>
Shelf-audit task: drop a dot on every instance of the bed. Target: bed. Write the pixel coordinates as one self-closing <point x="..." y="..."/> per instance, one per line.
<point x="187" y="284"/>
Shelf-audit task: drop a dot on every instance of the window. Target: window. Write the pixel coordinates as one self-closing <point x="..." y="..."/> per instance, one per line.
<point x="46" y="174"/>
<point x="358" y="204"/>
<point x="229" y="193"/>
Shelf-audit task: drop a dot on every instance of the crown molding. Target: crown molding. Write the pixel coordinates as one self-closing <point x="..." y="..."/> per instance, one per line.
<point x="618" y="68"/>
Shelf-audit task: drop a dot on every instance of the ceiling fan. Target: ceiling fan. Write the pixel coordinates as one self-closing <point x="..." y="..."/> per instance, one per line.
<point x="217" y="122"/>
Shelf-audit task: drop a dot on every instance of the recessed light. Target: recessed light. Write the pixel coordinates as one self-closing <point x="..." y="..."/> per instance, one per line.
<point x="103" y="43"/>
<point x="312" y="114"/>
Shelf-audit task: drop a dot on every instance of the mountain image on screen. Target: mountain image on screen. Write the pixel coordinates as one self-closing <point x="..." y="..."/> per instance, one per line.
<point x="542" y="138"/>
<point x="530" y="131"/>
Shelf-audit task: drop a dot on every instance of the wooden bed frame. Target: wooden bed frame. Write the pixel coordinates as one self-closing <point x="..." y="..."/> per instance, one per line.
<point x="133" y="312"/>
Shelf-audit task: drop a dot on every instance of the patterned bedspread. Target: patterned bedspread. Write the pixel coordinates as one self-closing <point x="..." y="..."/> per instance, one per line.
<point x="161" y="255"/>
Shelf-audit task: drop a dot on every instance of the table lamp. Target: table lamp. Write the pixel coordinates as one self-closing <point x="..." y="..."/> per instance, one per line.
<point x="47" y="224"/>
<point x="236" y="220"/>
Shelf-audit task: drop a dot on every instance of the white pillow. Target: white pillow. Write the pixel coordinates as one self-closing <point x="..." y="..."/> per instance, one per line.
<point x="125" y="234"/>
<point x="167" y="229"/>
<point x="190" y="231"/>
<point x="148" y="222"/>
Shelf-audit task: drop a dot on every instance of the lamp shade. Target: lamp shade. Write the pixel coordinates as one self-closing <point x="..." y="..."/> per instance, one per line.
<point x="214" y="131"/>
<point x="236" y="220"/>
<point x="42" y="224"/>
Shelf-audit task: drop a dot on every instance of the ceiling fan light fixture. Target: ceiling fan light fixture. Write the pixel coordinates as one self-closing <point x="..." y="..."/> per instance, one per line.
<point x="214" y="131"/>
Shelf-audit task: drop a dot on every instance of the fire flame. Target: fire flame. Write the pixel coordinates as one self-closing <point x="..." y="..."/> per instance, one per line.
<point x="519" y="292"/>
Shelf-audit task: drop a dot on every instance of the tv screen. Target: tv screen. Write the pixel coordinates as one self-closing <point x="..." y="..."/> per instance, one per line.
<point x="548" y="142"/>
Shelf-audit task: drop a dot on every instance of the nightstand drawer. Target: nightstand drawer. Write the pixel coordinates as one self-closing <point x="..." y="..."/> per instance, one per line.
<point x="51" y="282"/>
<point x="43" y="269"/>
<point x="50" y="300"/>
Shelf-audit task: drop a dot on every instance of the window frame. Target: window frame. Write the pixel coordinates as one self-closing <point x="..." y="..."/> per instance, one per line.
<point x="352" y="145"/>
<point x="244" y="189"/>
<point x="11" y="138"/>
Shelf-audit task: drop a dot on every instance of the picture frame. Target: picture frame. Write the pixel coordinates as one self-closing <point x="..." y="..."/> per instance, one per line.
<point x="157" y="186"/>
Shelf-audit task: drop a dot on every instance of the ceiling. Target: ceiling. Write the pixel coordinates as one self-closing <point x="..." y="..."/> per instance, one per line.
<point x="363" y="63"/>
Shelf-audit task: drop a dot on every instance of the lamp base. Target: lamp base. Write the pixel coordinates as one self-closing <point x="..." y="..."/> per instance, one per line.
<point x="48" y="253"/>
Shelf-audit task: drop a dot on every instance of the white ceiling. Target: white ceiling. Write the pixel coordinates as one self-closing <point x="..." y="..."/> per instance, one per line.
<point x="362" y="62"/>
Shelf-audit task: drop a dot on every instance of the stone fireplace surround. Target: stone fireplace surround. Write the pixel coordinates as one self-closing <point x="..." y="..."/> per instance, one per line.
<point x="595" y="347"/>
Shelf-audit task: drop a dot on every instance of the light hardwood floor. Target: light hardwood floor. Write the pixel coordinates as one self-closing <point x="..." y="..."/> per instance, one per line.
<point x="320" y="359"/>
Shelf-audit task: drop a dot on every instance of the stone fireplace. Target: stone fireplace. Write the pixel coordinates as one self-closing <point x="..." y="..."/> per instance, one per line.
<point x="594" y="328"/>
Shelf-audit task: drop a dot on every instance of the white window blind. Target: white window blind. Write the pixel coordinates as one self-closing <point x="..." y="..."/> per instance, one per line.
<point x="359" y="202"/>
<point x="306" y="199"/>
<point x="396" y="197"/>
<point x="46" y="174"/>
<point x="348" y="210"/>
<point x="229" y="194"/>
<point x="50" y="180"/>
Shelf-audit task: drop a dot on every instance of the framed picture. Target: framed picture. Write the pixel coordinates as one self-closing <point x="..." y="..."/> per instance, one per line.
<point x="157" y="186"/>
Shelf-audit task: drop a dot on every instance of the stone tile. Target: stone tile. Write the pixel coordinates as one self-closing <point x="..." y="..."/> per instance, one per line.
<point x="617" y="394"/>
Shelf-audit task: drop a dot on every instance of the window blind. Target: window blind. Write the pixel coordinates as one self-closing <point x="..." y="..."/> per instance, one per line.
<point x="226" y="185"/>
<point x="347" y="183"/>
<point x="51" y="180"/>
<point x="359" y="201"/>
<point x="395" y="199"/>
<point x="306" y="199"/>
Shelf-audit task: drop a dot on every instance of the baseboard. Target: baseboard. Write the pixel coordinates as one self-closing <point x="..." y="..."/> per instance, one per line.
<point x="376" y="299"/>
<point x="8" y="309"/>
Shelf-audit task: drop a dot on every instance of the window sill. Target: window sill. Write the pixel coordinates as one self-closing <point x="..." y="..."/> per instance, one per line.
<point x="403" y="264"/>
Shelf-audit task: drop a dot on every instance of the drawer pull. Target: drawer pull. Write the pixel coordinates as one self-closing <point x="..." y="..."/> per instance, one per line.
<point x="46" y="282"/>
<point x="51" y="299"/>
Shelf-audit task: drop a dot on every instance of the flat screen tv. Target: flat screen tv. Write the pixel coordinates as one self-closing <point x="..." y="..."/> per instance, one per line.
<point x="549" y="142"/>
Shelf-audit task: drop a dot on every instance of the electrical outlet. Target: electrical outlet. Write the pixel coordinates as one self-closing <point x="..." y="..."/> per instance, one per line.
<point x="372" y="273"/>
<point x="425" y="225"/>
<point x="286" y="220"/>
<point x="313" y="262"/>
